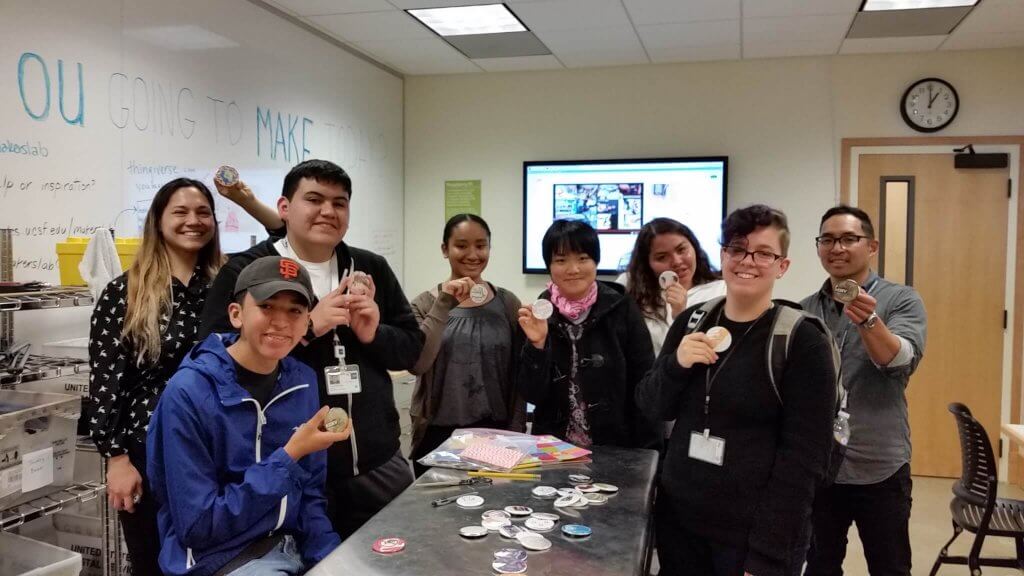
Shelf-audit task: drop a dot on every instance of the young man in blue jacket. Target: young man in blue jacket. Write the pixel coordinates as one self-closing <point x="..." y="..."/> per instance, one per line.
<point x="236" y="468"/>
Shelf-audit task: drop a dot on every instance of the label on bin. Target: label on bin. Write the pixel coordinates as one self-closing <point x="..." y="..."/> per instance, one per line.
<point x="10" y="481"/>
<point x="37" y="469"/>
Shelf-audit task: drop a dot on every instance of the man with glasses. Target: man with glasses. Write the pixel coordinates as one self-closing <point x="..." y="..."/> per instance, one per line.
<point x="881" y="335"/>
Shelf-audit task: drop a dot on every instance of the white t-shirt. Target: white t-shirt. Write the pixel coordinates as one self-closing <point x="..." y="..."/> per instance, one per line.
<point x="696" y="295"/>
<point x="323" y="275"/>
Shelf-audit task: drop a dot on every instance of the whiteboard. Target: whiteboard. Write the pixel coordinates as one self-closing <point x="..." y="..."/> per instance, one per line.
<point x="101" y="102"/>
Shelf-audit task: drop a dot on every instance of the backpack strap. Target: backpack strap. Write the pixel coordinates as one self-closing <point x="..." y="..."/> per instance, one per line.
<point x="700" y="315"/>
<point x="784" y="326"/>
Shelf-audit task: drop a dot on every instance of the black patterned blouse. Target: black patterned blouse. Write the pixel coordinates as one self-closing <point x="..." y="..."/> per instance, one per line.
<point x="124" y="393"/>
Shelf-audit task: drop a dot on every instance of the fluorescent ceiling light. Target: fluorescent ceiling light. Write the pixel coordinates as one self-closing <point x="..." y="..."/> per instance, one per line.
<point x="877" y="5"/>
<point x="462" y="20"/>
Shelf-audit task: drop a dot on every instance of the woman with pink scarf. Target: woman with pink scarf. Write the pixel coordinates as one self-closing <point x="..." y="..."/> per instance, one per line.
<point x="580" y="366"/>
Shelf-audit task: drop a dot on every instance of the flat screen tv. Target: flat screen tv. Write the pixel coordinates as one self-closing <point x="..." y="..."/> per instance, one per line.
<point x="617" y="197"/>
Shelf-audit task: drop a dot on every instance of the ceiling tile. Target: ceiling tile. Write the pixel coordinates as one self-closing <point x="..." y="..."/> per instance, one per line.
<point x="595" y="47"/>
<point x="816" y="28"/>
<point x="505" y="45"/>
<point x="320" y="7"/>
<point x="548" y="62"/>
<point x="410" y="4"/>
<point x="784" y="48"/>
<point x="695" y="53"/>
<point x="670" y="11"/>
<point x="926" y="22"/>
<point x="774" y="8"/>
<point x="572" y="15"/>
<point x="419" y="55"/>
<point x="958" y="41"/>
<point x="898" y="44"/>
<point x="373" y="26"/>
<point x="691" y="33"/>
<point x="994" y="17"/>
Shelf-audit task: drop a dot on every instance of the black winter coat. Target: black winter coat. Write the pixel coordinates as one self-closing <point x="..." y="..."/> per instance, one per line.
<point x="613" y="354"/>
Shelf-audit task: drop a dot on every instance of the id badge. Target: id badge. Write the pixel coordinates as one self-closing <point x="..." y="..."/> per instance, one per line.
<point x="710" y="449"/>
<point x="343" y="380"/>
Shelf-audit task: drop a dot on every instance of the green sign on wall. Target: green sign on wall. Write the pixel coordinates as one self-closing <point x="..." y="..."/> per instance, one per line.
<point x="461" y="196"/>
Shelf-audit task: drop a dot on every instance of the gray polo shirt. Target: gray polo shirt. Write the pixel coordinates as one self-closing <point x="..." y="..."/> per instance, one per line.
<point x="877" y="402"/>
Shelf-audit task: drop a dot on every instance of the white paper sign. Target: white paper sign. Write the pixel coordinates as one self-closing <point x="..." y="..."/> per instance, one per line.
<point x="37" y="469"/>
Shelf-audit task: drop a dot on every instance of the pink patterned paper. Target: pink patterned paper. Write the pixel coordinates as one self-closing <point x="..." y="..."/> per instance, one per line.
<point x="492" y="454"/>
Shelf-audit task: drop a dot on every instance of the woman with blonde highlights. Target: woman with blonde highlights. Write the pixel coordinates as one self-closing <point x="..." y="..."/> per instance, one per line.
<point x="144" y="323"/>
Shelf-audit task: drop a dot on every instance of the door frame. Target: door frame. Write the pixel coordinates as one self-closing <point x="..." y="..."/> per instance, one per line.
<point x="1011" y="462"/>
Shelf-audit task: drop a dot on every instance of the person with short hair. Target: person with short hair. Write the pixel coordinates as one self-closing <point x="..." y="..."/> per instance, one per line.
<point x="580" y="367"/>
<point x="236" y="444"/>
<point x="881" y="335"/>
<point x="746" y="451"/>
<point x="361" y="324"/>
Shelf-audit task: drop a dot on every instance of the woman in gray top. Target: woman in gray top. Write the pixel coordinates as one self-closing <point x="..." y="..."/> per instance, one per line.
<point x="466" y="372"/>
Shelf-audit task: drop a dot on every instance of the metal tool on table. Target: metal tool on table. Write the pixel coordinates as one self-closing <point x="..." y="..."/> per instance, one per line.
<point x="450" y="499"/>
<point x="456" y="482"/>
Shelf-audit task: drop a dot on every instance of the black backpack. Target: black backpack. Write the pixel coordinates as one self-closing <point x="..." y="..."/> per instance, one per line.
<point x="784" y="325"/>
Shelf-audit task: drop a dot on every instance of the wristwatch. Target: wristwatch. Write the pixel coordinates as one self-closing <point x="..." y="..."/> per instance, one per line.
<point x="870" y="321"/>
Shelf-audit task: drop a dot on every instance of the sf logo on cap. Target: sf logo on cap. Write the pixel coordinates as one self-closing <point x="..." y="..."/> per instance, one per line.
<point x="289" y="269"/>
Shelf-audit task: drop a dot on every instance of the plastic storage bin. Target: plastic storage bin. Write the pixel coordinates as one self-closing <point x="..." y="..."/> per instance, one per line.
<point x="70" y="253"/>
<point x="31" y="422"/>
<point x="79" y="529"/>
<point x="21" y="556"/>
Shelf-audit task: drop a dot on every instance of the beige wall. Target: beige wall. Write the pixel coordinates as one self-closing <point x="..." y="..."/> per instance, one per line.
<point x="779" y="121"/>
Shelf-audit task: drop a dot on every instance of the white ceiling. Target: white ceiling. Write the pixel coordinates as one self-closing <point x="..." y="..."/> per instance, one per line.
<point x="585" y="33"/>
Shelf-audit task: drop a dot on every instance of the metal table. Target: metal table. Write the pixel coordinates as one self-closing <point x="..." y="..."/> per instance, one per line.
<point x="620" y="543"/>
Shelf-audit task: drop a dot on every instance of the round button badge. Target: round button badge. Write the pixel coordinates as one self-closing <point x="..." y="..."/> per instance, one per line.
<point x="470" y="501"/>
<point x="390" y="545"/>
<point x="472" y="531"/>
<point x="478" y="293"/>
<point x="596" y="499"/>
<point x="510" y="555"/>
<point x="509" y="566"/>
<point x="494" y="514"/>
<point x="519" y="510"/>
<point x="511" y="531"/>
<point x="546" y="516"/>
<point x="539" y="524"/>
<point x="667" y="279"/>
<point x="720" y="338"/>
<point x="579" y="478"/>
<point x="846" y="291"/>
<point x="335" y="420"/>
<point x="545" y="492"/>
<point x="536" y="542"/>
<point x="226" y="176"/>
<point x="576" y="530"/>
<point x="495" y="524"/>
<point x="610" y="488"/>
<point x="542" y="309"/>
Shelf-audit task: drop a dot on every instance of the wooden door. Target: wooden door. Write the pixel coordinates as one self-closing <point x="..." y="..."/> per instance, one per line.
<point x="947" y="237"/>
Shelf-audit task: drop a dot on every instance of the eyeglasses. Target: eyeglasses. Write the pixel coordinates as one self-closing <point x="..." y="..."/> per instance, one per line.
<point x="846" y="240"/>
<point x="759" y="257"/>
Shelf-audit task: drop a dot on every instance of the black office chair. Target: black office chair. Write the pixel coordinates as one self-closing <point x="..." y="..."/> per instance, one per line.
<point x="975" y="506"/>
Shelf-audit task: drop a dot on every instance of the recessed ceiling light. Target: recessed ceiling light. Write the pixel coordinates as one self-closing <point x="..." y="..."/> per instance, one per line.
<point x="462" y="20"/>
<point x="877" y="5"/>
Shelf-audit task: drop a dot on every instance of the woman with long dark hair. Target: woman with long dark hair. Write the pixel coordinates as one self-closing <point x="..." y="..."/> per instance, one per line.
<point x="466" y="372"/>
<point x="666" y="245"/>
<point x="144" y="323"/>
